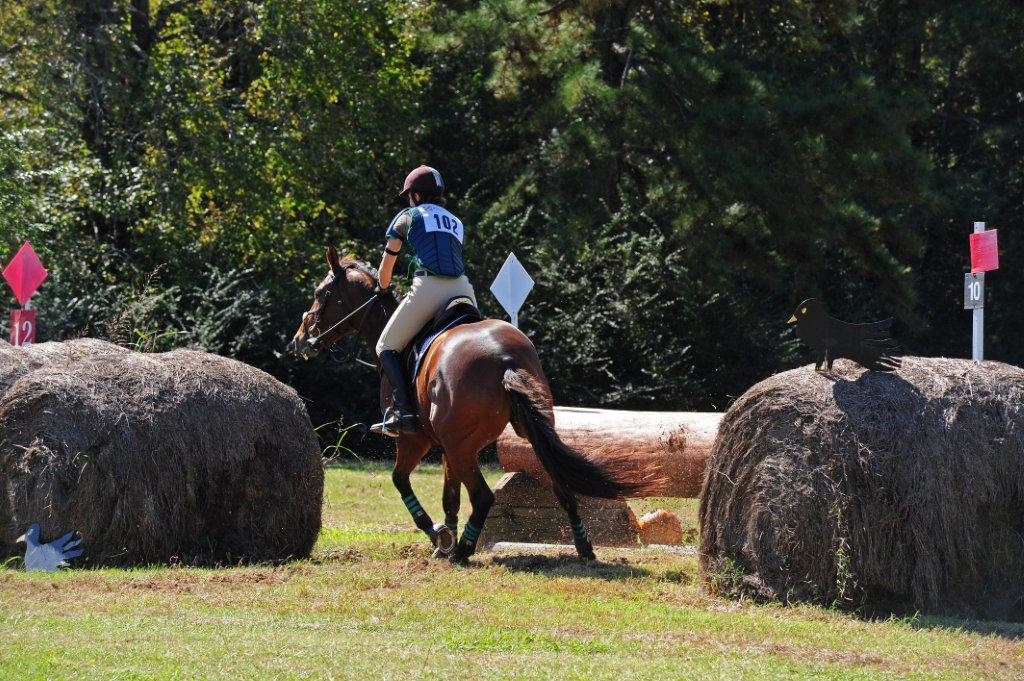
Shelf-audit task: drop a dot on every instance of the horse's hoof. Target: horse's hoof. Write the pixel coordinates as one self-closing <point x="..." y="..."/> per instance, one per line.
<point x="458" y="558"/>
<point x="444" y="539"/>
<point x="586" y="550"/>
<point x="461" y="554"/>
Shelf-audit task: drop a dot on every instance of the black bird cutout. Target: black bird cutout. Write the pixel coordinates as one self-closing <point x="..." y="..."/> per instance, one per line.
<point x="866" y="344"/>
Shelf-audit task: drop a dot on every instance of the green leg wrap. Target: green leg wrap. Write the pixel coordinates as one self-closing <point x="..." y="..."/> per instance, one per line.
<point x="419" y="516"/>
<point x="471" y="534"/>
<point x="413" y="504"/>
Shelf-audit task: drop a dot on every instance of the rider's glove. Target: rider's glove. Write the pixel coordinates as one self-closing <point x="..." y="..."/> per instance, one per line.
<point x="382" y="290"/>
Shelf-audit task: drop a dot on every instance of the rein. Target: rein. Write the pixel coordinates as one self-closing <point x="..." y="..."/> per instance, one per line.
<point x="315" y="340"/>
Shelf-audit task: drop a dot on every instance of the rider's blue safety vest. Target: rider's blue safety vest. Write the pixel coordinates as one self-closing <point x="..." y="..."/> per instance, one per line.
<point x="435" y="237"/>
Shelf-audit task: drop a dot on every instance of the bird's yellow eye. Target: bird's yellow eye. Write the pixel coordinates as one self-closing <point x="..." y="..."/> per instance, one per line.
<point x="803" y="310"/>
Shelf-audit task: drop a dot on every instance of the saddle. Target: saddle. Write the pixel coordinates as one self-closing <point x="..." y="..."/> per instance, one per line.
<point x="457" y="311"/>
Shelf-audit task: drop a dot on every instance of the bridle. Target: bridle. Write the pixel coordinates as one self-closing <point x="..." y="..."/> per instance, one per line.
<point x="315" y="336"/>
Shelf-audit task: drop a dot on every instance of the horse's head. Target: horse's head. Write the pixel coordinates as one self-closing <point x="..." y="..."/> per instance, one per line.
<point x="339" y="306"/>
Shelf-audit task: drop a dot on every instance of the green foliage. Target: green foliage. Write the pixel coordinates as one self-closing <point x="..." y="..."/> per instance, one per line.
<point x="217" y="311"/>
<point x="589" y="294"/>
<point x="676" y="176"/>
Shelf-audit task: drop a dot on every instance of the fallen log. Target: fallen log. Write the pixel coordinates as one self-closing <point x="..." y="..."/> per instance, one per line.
<point x="674" y="446"/>
<point x="525" y="511"/>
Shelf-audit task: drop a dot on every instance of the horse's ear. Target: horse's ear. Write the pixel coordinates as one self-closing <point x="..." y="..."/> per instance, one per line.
<point x="332" y="260"/>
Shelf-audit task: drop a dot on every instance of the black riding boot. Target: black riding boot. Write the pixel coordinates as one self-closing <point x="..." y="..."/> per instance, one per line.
<point x="402" y="417"/>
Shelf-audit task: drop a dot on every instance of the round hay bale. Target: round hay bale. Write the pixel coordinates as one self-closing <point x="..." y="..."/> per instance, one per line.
<point x="888" y="491"/>
<point x="175" y="457"/>
<point x="15" y="362"/>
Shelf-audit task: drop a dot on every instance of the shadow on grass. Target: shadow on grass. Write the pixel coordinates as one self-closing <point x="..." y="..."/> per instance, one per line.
<point x="1013" y="631"/>
<point x="1006" y="622"/>
<point x="568" y="566"/>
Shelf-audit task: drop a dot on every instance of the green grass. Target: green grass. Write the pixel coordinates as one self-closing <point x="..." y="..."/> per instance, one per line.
<point x="371" y="603"/>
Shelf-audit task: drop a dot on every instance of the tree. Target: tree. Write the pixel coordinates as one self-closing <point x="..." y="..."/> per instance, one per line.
<point x="752" y="143"/>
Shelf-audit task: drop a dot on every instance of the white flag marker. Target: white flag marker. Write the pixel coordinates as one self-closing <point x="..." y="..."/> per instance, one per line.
<point x="511" y="287"/>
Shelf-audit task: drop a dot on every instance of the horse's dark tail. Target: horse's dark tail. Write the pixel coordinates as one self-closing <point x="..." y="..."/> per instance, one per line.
<point x="606" y="478"/>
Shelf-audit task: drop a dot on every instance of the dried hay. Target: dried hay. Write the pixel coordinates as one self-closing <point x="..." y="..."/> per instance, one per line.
<point x="182" y="456"/>
<point x="891" y="492"/>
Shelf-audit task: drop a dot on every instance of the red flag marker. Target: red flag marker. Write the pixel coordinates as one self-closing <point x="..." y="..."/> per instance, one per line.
<point x="984" y="251"/>
<point x="25" y="273"/>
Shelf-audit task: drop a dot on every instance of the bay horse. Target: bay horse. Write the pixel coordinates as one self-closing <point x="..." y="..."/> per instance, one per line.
<point x="474" y="380"/>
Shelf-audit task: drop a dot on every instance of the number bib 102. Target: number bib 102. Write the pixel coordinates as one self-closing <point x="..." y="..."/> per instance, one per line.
<point x="437" y="219"/>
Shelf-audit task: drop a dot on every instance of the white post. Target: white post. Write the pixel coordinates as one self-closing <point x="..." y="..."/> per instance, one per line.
<point x="978" y="345"/>
<point x="514" y="318"/>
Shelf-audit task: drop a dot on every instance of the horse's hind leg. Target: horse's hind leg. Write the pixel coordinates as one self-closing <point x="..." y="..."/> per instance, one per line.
<point x="451" y="498"/>
<point x="481" y="498"/>
<point x="450" y="501"/>
<point x="579" y="534"/>
<point x="411" y="450"/>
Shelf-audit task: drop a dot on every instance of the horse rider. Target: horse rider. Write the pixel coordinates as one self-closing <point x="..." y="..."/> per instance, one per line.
<point x="435" y="239"/>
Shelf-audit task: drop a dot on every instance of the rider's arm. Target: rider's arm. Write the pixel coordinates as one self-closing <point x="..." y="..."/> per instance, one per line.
<point x="396" y="234"/>
<point x="387" y="263"/>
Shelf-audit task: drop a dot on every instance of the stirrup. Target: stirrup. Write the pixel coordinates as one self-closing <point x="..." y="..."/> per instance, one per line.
<point x="382" y="427"/>
<point x="395" y="423"/>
